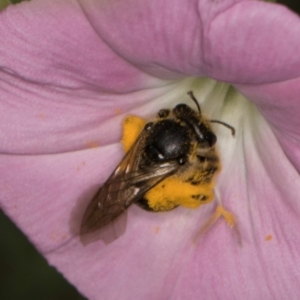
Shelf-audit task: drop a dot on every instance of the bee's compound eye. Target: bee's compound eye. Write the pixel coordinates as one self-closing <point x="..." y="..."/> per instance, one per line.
<point x="211" y="139"/>
<point x="180" y="107"/>
<point x="163" y="113"/>
<point x="149" y="126"/>
<point x="183" y="111"/>
<point x="204" y="135"/>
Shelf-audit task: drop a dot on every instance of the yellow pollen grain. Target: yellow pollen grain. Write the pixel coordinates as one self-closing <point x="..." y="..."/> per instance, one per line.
<point x="81" y="166"/>
<point x="41" y="116"/>
<point x="92" y="144"/>
<point x="132" y="127"/>
<point x="118" y="111"/>
<point x="268" y="238"/>
<point x="172" y="192"/>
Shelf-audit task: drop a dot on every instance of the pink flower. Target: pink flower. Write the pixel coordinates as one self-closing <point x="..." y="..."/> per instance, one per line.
<point x="71" y="70"/>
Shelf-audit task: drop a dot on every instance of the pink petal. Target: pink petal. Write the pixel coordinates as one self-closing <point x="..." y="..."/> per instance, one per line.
<point x="279" y="103"/>
<point x="253" y="42"/>
<point x="234" y="41"/>
<point x="64" y="90"/>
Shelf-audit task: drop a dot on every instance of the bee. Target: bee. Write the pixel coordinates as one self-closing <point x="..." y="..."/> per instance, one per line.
<point x="171" y="161"/>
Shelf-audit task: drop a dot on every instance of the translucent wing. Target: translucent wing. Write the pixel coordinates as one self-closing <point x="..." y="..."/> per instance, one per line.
<point x="125" y="186"/>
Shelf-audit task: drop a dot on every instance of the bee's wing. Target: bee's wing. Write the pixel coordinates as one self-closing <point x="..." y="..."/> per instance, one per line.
<point x="124" y="187"/>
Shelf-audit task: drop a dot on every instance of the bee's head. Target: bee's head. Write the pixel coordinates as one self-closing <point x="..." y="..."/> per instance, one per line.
<point x="194" y="121"/>
<point x="190" y="93"/>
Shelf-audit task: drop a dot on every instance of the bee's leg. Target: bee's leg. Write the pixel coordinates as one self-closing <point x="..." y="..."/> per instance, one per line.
<point x="219" y="213"/>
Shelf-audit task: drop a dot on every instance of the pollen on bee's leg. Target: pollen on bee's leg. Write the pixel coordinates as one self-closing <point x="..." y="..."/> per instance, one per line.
<point x="173" y="192"/>
<point x="132" y="127"/>
<point x="229" y="218"/>
<point x="219" y="213"/>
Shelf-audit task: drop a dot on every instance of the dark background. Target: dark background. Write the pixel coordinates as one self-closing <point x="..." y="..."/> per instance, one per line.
<point x="24" y="273"/>
<point x="292" y="4"/>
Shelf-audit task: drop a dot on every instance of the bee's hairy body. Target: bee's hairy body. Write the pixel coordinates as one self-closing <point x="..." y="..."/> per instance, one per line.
<point x="170" y="161"/>
<point x="170" y="138"/>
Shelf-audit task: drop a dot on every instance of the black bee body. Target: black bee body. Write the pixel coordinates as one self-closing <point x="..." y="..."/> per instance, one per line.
<point x="179" y="145"/>
<point x="172" y="139"/>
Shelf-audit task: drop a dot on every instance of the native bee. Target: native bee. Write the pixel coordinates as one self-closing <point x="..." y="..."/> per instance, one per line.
<point x="170" y="161"/>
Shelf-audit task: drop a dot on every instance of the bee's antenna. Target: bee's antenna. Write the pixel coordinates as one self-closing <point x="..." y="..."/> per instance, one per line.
<point x="190" y="93"/>
<point x="224" y="124"/>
